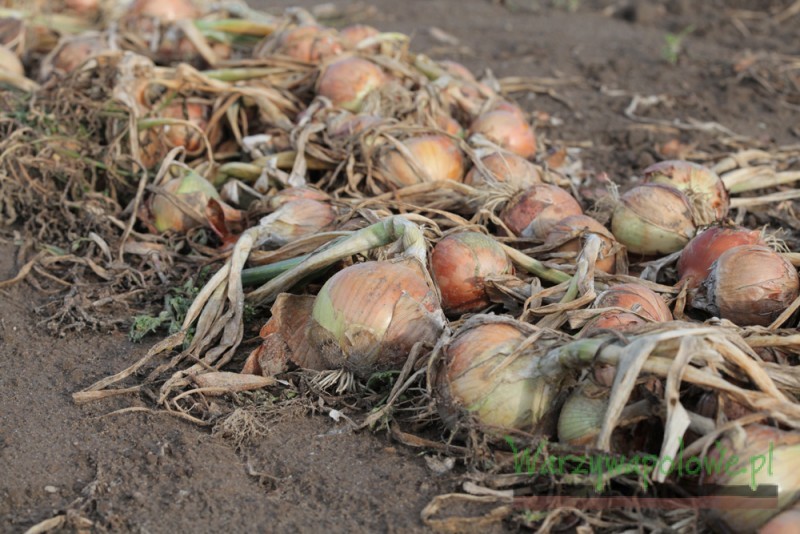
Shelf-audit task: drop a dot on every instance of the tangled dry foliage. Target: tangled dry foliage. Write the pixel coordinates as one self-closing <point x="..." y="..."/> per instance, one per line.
<point x="74" y="178"/>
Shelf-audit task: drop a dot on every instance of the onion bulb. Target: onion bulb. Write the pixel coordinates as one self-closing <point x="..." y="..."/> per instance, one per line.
<point x="636" y="298"/>
<point x="483" y="377"/>
<point x="346" y="82"/>
<point x="748" y="285"/>
<point x="704" y="249"/>
<point x="298" y="218"/>
<point x="351" y="36"/>
<point x="164" y="10"/>
<point x="757" y="455"/>
<point x="702" y="186"/>
<point x="310" y="44"/>
<point x="459" y="265"/>
<point x="433" y="157"/>
<point x="582" y="416"/>
<point x="508" y="129"/>
<point x="84" y="7"/>
<point x="193" y="191"/>
<point x="612" y="320"/>
<point x="368" y="316"/>
<point x="507" y="168"/>
<point x="71" y="53"/>
<point x="653" y="219"/>
<point x="535" y="211"/>
<point x="9" y="62"/>
<point x="568" y="233"/>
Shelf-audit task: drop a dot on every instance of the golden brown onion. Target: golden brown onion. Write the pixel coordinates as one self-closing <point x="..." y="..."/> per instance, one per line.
<point x="748" y="285"/>
<point x="507" y="168"/>
<point x="611" y="320"/>
<point x="508" y="129"/>
<point x="71" y="53"/>
<point x="481" y="379"/>
<point x="570" y="230"/>
<point x="535" y="211"/>
<point x="310" y="44"/>
<point x="460" y="263"/>
<point x="702" y="186"/>
<point x="192" y="190"/>
<point x="368" y="316"/>
<point x="351" y="36"/>
<point x="435" y="157"/>
<point x="637" y="298"/>
<point x="653" y="219"/>
<point x="346" y="82"/>
<point x="704" y="249"/>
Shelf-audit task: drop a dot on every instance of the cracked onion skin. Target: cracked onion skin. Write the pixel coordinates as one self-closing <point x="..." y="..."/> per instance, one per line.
<point x="703" y="187"/>
<point x="707" y="246"/>
<point x="535" y="211"/>
<point x="576" y="226"/>
<point x="459" y="265"/>
<point x="750" y="285"/>
<point x="473" y="380"/>
<point x="367" y="317"/>
<point x="653" y="220"/>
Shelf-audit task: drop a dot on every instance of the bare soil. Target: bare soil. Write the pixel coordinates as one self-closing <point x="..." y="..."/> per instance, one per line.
<point x="149" y="472"/>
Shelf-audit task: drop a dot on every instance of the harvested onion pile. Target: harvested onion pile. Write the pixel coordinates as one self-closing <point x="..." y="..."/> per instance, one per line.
<point x="386" y="213"/>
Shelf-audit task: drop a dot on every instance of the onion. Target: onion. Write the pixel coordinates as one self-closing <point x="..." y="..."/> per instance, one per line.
<point x="653" y="219"/>
<point x="448" y="125"/>
<point x="71" y="53"/>
<point x="351" y="36"/>
<point x="612" y="320"/>
<point x="346" y="82"/>
<point x="192" y="190"/>
<point x="164" y="10"/>
<point x="87" y="7"/>
<point x="507" y="128"/>
<point x="535" y="211"/>
<point x="569" y="231"/>
<point x="636" y="298"/>
<point x="185" y="136"/>
<point x="702" y="185"/>
<point x="434" y="157"/>
<point x="482" y="378"/>
<point x="507" y="168"/>
<point x="368" y="316"/>
<point x="298" y="218"/>
<point x="9" y="62"/>
<point x="766" y="456"/>
<point x="704" y="249"/>
<point x="459" y="265"/>
<point x="582" y="415"/>
<point x="748" y="285"/>
<point x="310" y="44"/>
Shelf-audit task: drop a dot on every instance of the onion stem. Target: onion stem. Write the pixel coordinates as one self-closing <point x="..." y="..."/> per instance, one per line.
<point x="265" y="273"/>
<point x="379" y="234"/>
<point x="236" y="26"/>
<point x="535" y="267"/>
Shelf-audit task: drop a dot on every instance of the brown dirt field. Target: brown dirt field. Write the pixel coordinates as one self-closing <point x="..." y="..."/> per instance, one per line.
<point x="142" y="472"/>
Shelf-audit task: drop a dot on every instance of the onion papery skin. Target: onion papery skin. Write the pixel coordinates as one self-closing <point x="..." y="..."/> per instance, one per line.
<point x="473" y="381"/>
<point x="508" y="129"/>
<point x="351" y="36"/>
<point x="459" y="265"/>
<point x="310" y="44"/>
<point x="299" y="218"/>
<point x="347" y="81"/>
<point x="368" y="316"/>
<point x="535" y="211"/>
<point x="638" y="299"/>
<point x="750" y="285"/>
<point x="702" y="186"/>
<point x="192" y="189"/>
<point x="581" y="416"/>
<point x="506" y="168"/>
<point x="436" y="156"/>
<point x="781" y="448"/>
<point x="71" y="53"/>
<point x="653" y="219"/>
<point x="616" y="321"/>
<point x="165" y="10"/>
<point x="706" y="247"/>
<point x="346" y="124"/>
<point x="579" y="225"/>
<point x="180" y="135"/>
